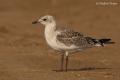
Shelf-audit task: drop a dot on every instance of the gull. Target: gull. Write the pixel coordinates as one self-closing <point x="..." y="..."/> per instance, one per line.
<point x="66" y="40"/>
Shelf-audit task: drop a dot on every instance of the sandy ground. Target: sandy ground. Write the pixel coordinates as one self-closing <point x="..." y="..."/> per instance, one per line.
<point x="24" y="54"/>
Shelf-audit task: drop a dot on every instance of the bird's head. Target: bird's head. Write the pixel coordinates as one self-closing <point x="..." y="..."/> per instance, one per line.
<point x="45" y="20"/>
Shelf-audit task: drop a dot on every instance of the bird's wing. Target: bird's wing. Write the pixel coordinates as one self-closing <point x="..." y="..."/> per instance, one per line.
<point x="70" y="37"/>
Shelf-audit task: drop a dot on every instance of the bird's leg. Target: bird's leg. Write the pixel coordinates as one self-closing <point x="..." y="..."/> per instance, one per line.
<point x="62" y="61"/>
<point x="66" y="54"/>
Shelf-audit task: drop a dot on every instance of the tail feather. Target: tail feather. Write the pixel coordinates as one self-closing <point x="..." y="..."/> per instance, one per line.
<point x="102" y="42"/>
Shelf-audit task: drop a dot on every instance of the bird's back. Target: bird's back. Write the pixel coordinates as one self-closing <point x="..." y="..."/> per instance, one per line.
<point x="69" y="37"/>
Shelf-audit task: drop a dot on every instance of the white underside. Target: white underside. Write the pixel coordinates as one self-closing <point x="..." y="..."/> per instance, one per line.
<point x="50" y="36"/>
<point x="97" y="45"/>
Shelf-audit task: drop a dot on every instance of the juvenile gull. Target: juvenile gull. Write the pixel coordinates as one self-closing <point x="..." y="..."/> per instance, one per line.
<point x="67" y="40"/>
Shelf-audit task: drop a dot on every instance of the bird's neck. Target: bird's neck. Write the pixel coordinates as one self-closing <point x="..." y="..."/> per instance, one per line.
<point x="50" y="27"/>
<point x="50" y="30"/>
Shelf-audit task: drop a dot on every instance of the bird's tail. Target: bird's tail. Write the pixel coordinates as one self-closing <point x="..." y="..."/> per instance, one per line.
<point x="102" y="42"/>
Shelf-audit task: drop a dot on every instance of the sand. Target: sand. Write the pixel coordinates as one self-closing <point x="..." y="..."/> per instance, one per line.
<point x="24" y="54"/>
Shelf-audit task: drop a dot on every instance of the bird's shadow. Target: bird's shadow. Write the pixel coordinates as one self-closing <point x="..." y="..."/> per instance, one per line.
<point x="83" y="69"/>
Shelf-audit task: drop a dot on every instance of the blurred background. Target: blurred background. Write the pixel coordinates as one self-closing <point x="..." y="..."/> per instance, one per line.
<point x="24" y="54"/>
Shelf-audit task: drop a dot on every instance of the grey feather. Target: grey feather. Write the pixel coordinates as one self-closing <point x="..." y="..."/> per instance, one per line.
<point x="70" y="37"/>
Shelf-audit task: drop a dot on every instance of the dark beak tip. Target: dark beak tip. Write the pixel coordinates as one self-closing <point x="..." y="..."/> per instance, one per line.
<point x="34" y="22"/>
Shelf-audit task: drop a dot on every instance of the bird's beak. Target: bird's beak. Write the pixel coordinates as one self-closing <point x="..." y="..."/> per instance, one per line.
<point x="35" y="22"/>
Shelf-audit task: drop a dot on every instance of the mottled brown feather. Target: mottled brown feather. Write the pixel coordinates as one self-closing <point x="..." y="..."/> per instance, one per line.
<point x="70" y="37"/>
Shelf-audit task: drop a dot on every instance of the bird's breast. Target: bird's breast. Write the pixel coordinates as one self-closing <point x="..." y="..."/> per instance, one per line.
<point x="50" y="36"/>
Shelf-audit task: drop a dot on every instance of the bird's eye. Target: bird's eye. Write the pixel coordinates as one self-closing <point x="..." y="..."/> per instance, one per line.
<point x="44" y="19"/>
